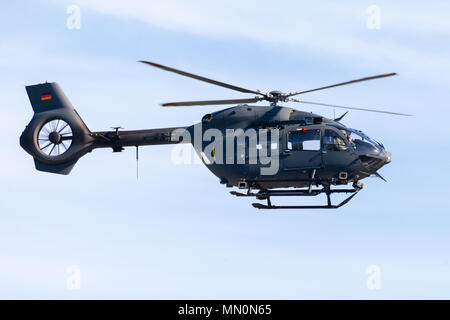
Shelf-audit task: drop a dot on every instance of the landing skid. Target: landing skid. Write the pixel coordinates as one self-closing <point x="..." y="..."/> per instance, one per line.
<point x="267" y="194"/>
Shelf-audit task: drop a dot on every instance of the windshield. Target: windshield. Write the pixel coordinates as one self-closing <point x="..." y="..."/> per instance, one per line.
<point x="360" y="142"/>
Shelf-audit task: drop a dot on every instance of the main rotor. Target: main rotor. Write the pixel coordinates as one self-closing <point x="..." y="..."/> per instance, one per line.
<point x="274" y="97"/>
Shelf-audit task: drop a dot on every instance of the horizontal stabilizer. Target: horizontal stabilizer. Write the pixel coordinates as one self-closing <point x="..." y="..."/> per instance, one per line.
<point x="64" y="168"/>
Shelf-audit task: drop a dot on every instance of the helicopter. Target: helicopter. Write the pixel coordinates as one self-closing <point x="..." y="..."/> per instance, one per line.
<point x="264" y="151"/>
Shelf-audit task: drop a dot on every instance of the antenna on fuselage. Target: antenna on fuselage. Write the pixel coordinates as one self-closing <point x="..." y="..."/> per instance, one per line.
<point x="137" y="162"/>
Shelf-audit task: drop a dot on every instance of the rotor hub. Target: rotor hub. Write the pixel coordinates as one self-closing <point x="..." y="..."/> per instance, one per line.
<point x="277" y="93"/>
<point x="275" y="96"/>
<point x="54" y="137"/>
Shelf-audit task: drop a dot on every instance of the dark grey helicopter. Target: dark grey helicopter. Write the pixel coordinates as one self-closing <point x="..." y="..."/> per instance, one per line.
<point x="266" y="150"/>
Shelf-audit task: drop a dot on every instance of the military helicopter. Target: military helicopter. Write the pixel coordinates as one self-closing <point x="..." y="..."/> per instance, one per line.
<point x="272" y="151"/>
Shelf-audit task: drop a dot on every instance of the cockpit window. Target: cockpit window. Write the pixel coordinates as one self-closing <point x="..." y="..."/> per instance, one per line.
<point x="308" y="120"/>
<point x="333" y="142"/>
<point x="362" y="143"/>
<point x="207" y="118"/>
<point x="304" y="140"/>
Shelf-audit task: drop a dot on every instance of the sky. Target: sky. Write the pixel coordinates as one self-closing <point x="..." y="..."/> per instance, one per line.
<point x="176" y="233"/>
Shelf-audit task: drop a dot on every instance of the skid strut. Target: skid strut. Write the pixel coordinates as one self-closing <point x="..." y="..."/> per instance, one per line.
<point x="310" y="192"/>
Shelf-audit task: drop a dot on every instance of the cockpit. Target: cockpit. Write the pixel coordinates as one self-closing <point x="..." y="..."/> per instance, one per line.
<point x="339" y="144"/>
<point x="372" y="153"/>
<point x="360" y="142"/>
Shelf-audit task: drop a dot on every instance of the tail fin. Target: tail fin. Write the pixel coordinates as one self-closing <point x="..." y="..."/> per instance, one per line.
<point x="56" y="136"/>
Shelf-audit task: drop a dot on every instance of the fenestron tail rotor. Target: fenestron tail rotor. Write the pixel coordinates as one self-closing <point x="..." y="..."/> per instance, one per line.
<point x="273" y="96"/>
<point x="55" y="137"/>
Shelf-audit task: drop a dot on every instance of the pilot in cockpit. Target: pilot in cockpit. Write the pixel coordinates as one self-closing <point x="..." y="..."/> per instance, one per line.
<point x="348" y="137"/>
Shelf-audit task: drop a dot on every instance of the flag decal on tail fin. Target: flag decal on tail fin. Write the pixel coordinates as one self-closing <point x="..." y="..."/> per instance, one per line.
<point x="46" y="96"/>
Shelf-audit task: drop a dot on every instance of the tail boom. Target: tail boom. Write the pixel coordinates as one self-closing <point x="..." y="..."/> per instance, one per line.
<point x="130" y="138"/>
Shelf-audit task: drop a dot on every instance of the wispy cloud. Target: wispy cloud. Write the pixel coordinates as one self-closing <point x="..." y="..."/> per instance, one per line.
<point x="408" y="38"/>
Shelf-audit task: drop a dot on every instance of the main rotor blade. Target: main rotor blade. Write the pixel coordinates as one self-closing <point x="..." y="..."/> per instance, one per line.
<point x="191" y="75"/>
<point x="343" y="83"/>
<point x="210" y="102"/>
<point x="352" y="108"/>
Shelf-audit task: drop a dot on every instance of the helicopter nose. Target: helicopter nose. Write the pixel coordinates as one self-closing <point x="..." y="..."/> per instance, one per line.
<point x="388" y="157"/>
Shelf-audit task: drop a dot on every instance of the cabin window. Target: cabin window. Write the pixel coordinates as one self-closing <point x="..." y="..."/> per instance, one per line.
<point x="308" y="120"/>
<point x="333" y="142"/>
<point x="304" y="140"/>
<point x="207" y="118"/>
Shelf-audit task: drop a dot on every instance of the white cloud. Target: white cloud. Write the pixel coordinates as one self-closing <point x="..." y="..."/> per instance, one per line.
<point x="323" y="28"/>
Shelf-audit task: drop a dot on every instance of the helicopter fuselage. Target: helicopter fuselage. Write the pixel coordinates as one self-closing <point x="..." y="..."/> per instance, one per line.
<point x="279" y="147"/>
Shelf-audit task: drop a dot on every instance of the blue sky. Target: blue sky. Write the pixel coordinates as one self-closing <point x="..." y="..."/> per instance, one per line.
<point x="176" y="232"/>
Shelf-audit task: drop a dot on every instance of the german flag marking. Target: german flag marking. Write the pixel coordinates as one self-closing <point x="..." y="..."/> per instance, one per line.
<point x="46" y="96"/>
